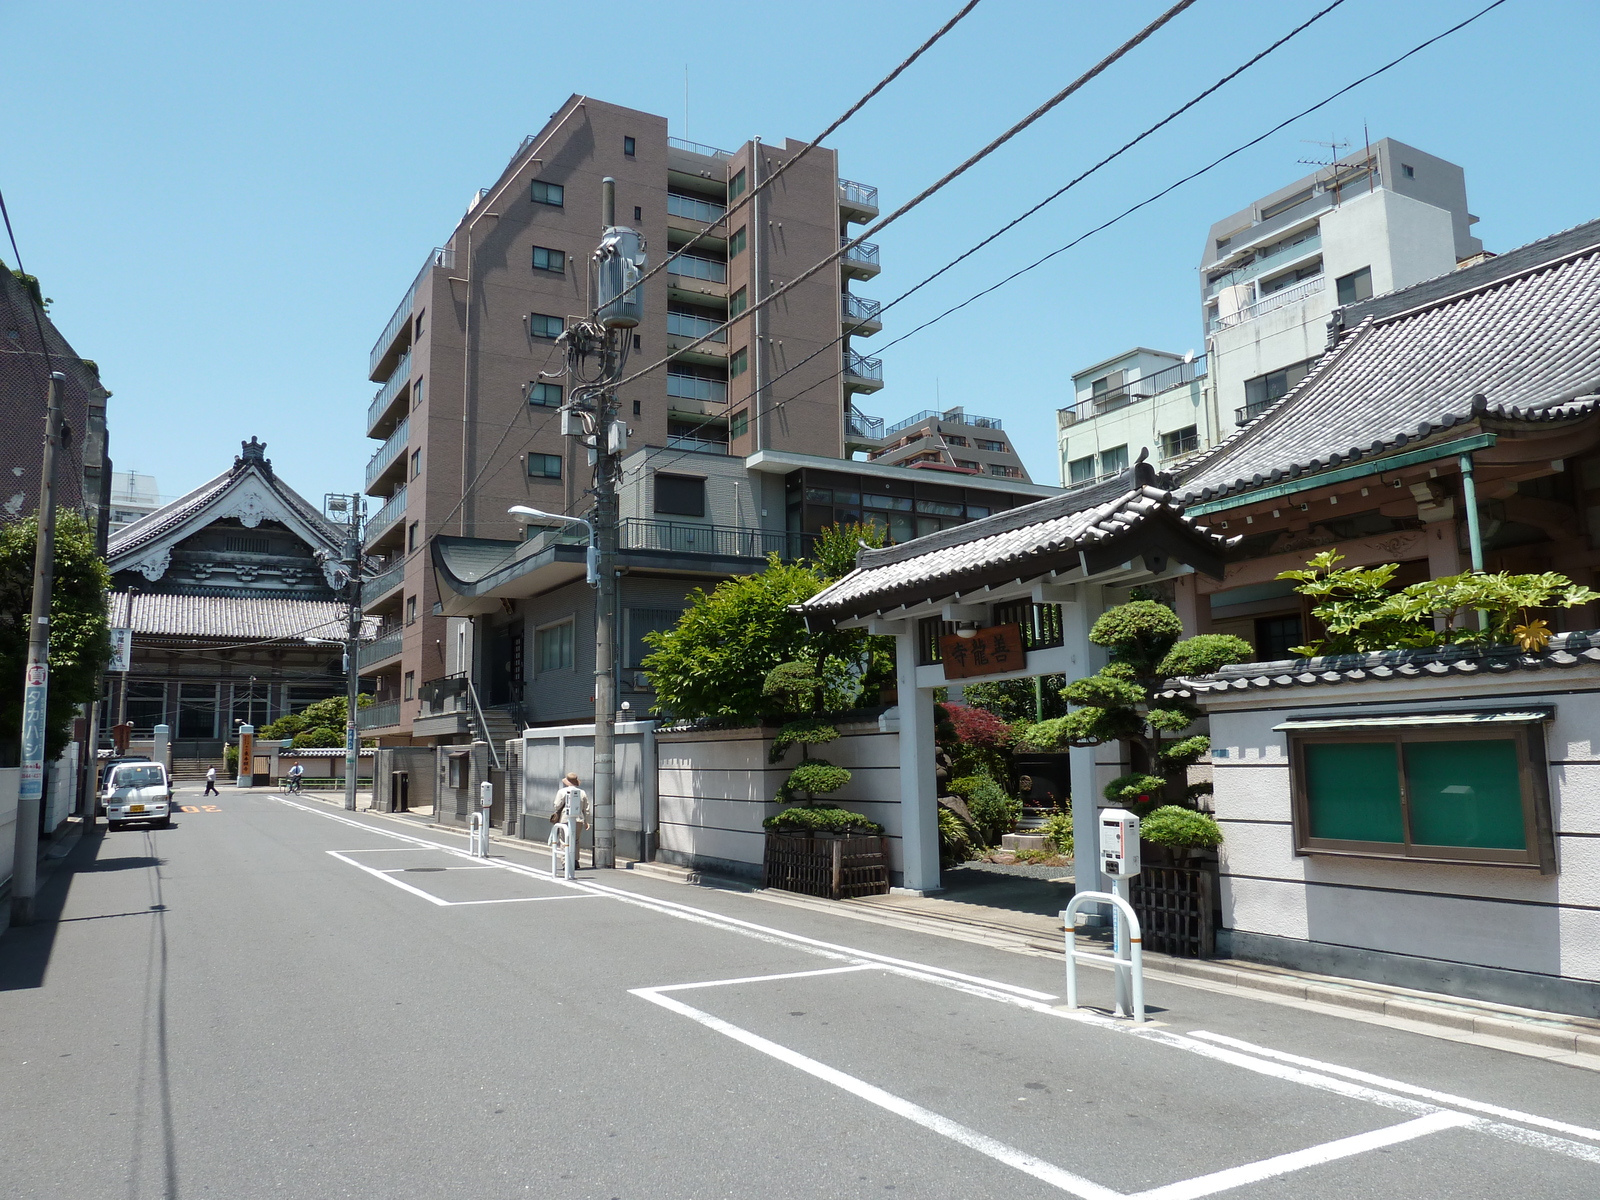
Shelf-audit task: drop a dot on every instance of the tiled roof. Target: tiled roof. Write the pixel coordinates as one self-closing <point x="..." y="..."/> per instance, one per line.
<point x="1016" y="539"/>
<point x="227" y="618"/>
<point x="1565" y="650"/>
<point x="1518" y="342"/>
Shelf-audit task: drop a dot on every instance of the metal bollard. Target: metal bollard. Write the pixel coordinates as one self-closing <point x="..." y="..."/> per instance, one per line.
<point x="1128" y="970"/>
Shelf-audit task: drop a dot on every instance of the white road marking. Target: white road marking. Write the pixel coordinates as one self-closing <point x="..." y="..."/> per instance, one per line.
<point x="396" y="870"/>
<point x="518" y="900"/>
<point x="970" y="1138"/>
<point x="1299" y="1160"/>
<point x="711" y="983"/>
<point x="399" y="883"/>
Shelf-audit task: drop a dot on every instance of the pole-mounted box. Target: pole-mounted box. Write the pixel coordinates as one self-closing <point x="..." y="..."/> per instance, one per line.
<point x="1119" y="843"/>
<point x="619" y="261"/>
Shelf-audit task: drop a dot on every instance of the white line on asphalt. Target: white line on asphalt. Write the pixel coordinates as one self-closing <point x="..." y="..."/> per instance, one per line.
<point x="1395" y="1085"/>
<point x="396" y="870"/>
<point x="711" y="983"/>
<point x="1299" y="1160"/>
<point x="970" y="1138"/>
<point x="377" y="874"/>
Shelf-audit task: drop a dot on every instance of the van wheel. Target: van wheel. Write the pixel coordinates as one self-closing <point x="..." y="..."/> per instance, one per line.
<point x="113" y="826"/>
<point x="164" y="823"/>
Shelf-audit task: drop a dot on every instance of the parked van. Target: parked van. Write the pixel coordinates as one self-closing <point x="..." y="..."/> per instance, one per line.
<point x="137" y="791"/>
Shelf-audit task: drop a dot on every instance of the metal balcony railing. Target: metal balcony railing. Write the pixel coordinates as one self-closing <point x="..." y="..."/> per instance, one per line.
<point x="393" y="509"/>
<point x="685" y="325"/>
<point x="863" y="367"/>
<point x="698" y="148"/>
<point x="441" y="256"/>
<point x="395" y="444"/>
<point x="385" y="646"/>
<point x="1266" y="263"/>
<point x="693" y="387"/>
<point x="400" y="376"/>
<point x="692" y="441"/>
<point x="446" y="694"/>
<point x="864" y="426"/>
<point x="859" y="308"/>
<point x="692" y="266"/>
<point x="693" y="208"/>
<point x="378" y="716"/>
<point x="1272" y="302"/>
<point x="866" y="252"/>
<point x="383" y="582"/>
<point x="727" y="541"/>
<point x="955" y="416"/>
<point x="858" y="193"/>
<point x="1139" y="389"/>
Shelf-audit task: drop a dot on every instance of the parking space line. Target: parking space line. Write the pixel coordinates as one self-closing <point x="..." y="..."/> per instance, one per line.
<point x="387" y="878"/>
<point x="517" y="900"/>
<point x="396" y="870"/>
<point x="710" y="983"/>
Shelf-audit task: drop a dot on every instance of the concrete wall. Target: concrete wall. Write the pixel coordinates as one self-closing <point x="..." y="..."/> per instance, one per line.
<point x="549" y="753"/>
<point x="1504" y="934"/>
<point x="717" y="787"/>
<point x="10" y="779"/>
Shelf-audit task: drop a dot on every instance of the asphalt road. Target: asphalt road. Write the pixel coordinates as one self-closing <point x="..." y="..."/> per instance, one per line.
<point x="275" y="999"/>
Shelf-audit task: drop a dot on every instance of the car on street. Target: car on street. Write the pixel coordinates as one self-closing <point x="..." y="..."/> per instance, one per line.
<point x="137" y="791"/>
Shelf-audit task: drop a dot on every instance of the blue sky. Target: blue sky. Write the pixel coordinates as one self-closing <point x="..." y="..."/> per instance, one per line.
<point x="226" y="201"/>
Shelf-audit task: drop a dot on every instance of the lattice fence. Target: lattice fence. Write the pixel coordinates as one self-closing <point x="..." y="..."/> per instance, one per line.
<point x="1175" y="910"/>
<point x="839" y="868"/>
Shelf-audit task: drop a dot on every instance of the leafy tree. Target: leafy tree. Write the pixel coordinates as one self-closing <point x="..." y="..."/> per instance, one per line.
<point x="1014" y="699"/>
<point x="1119" y="702"/>
<point x="80" y="639"/>
<point x="1362" y="612"/>
<point x="316" y="726"/>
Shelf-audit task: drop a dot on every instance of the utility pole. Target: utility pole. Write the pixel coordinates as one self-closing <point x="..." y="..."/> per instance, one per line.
<point x="591" y="414"/>
<point x="36" y="686"/>
<point x="352" y="510"/>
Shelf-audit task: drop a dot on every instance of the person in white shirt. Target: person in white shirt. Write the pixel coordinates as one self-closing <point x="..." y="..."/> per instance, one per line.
<point x="294" y="777"/>
<point x="211" y="782"/>
<point x="572" y="808"/>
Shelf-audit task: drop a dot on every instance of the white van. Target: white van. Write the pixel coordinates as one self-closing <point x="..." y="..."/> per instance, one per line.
<point x="137" y="791"/>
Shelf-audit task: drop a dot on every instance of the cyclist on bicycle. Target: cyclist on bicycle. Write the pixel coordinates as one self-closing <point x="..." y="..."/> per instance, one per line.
<point x="294" y="777"/>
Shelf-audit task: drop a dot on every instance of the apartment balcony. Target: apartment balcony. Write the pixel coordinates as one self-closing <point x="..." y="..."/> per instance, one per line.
<point x="376" y="717"/>
<point x="374" y="590"/>
<point x="388" y="406"/>
<point x="693" y="214"/>
<point x="444" y="707"/>
<point x="695" y="395"/>
<point x="381" y="467"/>
<point x="860" y="315"/>
<point x="1149" y="386"/>
<point x="396" y="336"/>
<point x="697" y="148"/>
<point x="1271" y="302"/>
<point x="697" y="443"/>
<point x="862" y="432"/>
<point x="858" y="202"/>
<point x="695" y="278"/>
<point x="950" y="416"/>
<point x="862" y="374"/>
<point x="723" y="541"/>
<point x="386" y="521"/>
<point x="860" y="262"/>
<point x="684" y="332"/>
<point x="381" y="650"/>
<point x="1283" y="257"/>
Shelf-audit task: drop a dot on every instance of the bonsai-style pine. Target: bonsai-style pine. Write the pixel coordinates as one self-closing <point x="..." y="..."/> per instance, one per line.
<point x="797" y="689"/>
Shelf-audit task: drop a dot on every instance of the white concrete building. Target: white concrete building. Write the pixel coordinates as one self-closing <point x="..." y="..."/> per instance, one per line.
<point x="1140" y="398"/>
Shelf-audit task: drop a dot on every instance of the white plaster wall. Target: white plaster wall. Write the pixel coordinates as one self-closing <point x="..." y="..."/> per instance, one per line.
<point x="1139" y="424"/>
<point x="10" y="780"/>
<point x="1402" y="239"/>
<point x="1488" y="916"/>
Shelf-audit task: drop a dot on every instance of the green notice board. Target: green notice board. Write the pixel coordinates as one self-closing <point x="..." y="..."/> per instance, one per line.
<point x="1353" y="791"/>
<point x="1465" y="793"/>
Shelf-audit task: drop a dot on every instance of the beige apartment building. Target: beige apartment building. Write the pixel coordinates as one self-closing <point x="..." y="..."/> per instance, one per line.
<point x="470" y="381"/>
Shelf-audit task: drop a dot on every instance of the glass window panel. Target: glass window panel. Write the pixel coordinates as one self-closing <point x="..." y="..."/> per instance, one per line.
<point x="1353" y="791"/>
<point x="819" y="495"/>
<point x="901" y="528"/>
<point x="1465" y="793"/>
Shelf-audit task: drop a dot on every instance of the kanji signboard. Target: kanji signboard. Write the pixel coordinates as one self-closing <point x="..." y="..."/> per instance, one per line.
<point x="987" y="652"/>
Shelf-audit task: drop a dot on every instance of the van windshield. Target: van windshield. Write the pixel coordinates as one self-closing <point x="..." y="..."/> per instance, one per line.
<point x="142" y="776"/>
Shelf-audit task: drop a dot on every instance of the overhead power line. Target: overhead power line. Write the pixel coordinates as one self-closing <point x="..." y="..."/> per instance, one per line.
<point x="749" y="197"/>
<point x="845" y="247"/>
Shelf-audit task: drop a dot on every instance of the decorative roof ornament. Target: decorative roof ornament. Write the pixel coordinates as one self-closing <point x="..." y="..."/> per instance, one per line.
<point x="253" y="451"/>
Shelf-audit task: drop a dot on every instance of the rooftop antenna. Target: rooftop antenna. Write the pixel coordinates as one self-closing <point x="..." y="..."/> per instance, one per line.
<point x="1332" y="164"/>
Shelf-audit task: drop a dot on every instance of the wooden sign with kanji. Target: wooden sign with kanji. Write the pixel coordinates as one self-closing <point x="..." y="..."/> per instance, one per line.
<point x="987" y="652"/>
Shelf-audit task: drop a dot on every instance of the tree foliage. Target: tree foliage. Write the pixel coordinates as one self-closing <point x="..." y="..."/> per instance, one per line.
<point x="1120" y="702"/>
<point x="1362" y="611"/>
<point x="316" y="726"/>
<point x="1014" y="700"/>
<point x="80" y="638"/>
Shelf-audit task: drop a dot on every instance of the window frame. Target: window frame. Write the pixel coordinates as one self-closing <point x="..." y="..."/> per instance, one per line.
<point x="559" y="191"/>
<point x="548" y="252"/>
<point x="561" y="326"/>
<point x="739" y="423"/>
<point x="570" y="623"/>
<point x="738" y="362"/>
<point x="738" y="241"/>
<point x="1351" y="282"/>
<point x="539" y="387"/>
<point x="630" y="147"/>
<point x="545" y="460"/>
<point x="736" y="185"/>
<point x="1532" y="774"/>
<point x="676" y="492"/>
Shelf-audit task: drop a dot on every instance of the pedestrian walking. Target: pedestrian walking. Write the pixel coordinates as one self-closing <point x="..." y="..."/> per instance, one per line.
<point x="211" y="782"/>
<point x="571" y="813"/>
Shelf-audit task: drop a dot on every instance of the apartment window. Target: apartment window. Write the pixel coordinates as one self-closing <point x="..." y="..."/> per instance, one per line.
<point x="1461" y="787"/>
<point x="992" y="447"/>
<point x="411" y="609"/>
<point x="739" y="423"/>
<point x="638" y="342"/>
<point x="411" y="535"/>
<point x="1081" y="470"/>
<point x="416" y="393"/>
<point x="638" y="213"/>
<point x="552" y="194"/>
<point x="411" y="685"/>
<point x="545" y="395"/>
<point x="738" y="362"/>
<point x="1265" y="389"/>
<point x="952" y="440"/>
<point x="628" y="146"/>
<point x="416" y="463"/>
<point x="420" y="316"/>
<point x="1000" y="469"/>
<point x="1408" y="171"/>
<point x="738" y="302"/>
<point x="642" y="621"/>
<point x="1114" y="459"/>
<point x="552" y="647"/>
<point x="1276" y="637"/>
<point x="680" y="496"/>
<point x="1355" y="286"/>
<point x="737" y="242"/>
<point x="736" y="186"/>
<point x="546" y="259"/>
<point x="544" y="466"/>
<point x="637" y="408"/>
<point x="542" y="326"/>
<point x="1180" y="441"/>
<point x="969" y="464"/>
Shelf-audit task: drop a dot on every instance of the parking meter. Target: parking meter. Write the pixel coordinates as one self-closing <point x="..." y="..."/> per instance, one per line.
<point x="1119" y="843"/>
<point x="485" y="794"/>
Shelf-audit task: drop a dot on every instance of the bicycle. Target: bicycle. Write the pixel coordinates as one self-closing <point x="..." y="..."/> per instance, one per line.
<point x="291" y="785"/>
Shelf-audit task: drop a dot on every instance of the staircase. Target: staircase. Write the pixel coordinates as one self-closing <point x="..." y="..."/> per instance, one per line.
<point x="194" y="769"/>
<point x="497" y="727"/>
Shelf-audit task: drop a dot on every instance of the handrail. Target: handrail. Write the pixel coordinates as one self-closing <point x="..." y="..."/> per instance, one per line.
<point x="858" y="193"/>
<point x="863" y="252"/>
<point x="385" y="454"/>
<point x="862" y="425"/>
<point x="729" y="541"/>
<point x="857" y="308"/>
<point x="393" y="509"/>
<point x="398" y="378"/>
<point x="386" y="646"/>
<point x="378" y="716"/>
<point x="956" y="416"/>
<point x="863" y="367"/>
<point x="383" y="582"/>
<point x="1142" y="388"/>
<point x="1271" y="302"/>
<point x="698" y="148"/>
<point x="696" y="387"/>
<point x="693" y="266"/>
<point x="687" y="325"/>
<point x="1264" y="263"/>
<point x="694" y="208"/>
<point x="483" y="725"/>
<point x="440" y="256"/>
<point x="1133" y="964"/>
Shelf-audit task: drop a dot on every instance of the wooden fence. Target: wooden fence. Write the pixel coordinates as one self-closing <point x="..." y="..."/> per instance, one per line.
<point x="1175" y="909"/>
<point x="830" y="865"/>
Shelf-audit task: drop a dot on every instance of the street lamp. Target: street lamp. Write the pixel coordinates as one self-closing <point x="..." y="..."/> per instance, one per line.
<point x="547" y="518"/>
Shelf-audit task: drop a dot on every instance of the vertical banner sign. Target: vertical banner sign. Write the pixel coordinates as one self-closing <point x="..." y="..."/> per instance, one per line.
<point x="247" y="750"/>
<point x="121" y="650"/>
<point x="33" y="703"/>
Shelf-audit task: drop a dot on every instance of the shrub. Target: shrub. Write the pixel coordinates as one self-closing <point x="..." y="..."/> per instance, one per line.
<point x="1057" y="831"/>
<point x="1180" y="827"/>
<point x="230" y="758"/>
<point x="955" y="839"/>
<point x="808" y="731"/>
<point x="1138" y="792"/>
<point x="285" y="726"/>
<point x="993" y="812"/>
<point x="815" y="777"/>
<point x="820" y="820"/>
<point x="319" y="738"/>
